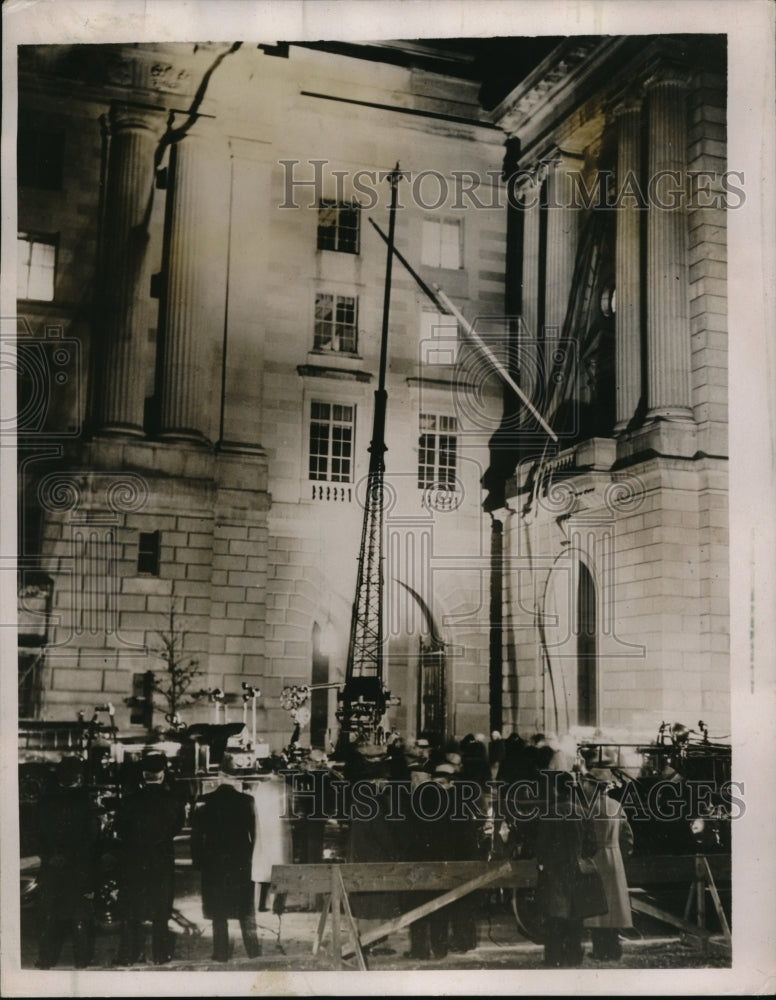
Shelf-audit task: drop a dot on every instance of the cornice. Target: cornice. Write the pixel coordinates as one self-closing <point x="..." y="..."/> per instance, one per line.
<point x="583" y="84"/>
<point x="155" y="75"/>
<point x="561" y="73"/>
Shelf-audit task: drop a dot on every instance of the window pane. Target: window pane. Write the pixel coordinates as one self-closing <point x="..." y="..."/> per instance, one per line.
<point x="324" y="321"/>
<point x="324" y="307"/>
<point x="327" y="226"/>
<point x="338" y="226"/>
<point x="23" y="249"/>
<point x="331" y="438"/>
<point x="346" y="307"/>
<point x="437" y="453"/>
<point x="41" y="284"/>
<point x="429" y="253"/>
<point x="336" y="322"/>
<point x="42" y="255"/>
<point x="23" y="268"/>
<point x="451" y="245"/>
<point x="348" y="230"/>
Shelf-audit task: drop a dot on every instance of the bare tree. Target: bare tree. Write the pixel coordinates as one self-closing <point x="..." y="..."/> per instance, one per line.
<point x="180" y="669"/>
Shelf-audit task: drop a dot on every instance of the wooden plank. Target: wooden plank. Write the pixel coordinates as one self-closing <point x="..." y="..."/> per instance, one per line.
<point x="669" y="918"/>
<point x="353" y="928"/>
<point x="405" y="875"/>
<point x="322" y="923"/>
<point x="391" y="926"/>
<point x="717" y="902"/>
<point x="443" y="875"/>
<point x="336" y="902"/>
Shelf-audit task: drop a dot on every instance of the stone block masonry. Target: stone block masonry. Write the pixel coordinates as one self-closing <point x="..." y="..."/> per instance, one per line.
<point x="111" y="614"/>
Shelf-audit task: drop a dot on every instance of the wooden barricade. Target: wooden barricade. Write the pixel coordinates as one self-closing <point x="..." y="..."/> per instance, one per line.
<point x="455" y="879"/>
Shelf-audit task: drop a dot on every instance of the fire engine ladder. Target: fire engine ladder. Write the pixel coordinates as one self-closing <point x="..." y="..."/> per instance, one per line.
<point x="363" y="699"/>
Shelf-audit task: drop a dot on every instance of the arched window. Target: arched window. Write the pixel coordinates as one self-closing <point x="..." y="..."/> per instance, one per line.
<point x="587" y="650"/>
<point x="319" y="700"/>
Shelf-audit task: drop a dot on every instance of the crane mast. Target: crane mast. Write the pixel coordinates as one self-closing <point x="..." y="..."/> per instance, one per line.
<point x="363" y="698"/>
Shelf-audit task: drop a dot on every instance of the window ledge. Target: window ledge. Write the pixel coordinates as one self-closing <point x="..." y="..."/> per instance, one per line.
<point x="331" y="371"/>
<point x="337" y="250"/>
<point x="452" y="380"/>
<point x="335" y="359"/>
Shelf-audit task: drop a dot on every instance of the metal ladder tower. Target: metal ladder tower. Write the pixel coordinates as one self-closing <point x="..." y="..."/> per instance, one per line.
<point x="363" y="698"/>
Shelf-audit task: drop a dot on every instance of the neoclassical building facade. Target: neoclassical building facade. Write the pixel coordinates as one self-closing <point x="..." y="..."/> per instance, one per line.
<point x="201" y="292"/>
<point x="615" y="605"/>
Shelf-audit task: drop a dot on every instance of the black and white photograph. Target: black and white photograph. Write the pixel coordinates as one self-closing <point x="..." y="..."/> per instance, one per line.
<point x="387" y="534"/>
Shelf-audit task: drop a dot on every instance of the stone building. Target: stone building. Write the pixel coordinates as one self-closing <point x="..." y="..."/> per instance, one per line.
<point x="615" y="539"/>
<point x="215" y="312"/>
<point x="201" y="297"/>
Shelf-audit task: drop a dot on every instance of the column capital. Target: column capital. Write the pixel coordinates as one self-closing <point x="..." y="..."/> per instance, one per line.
<point x="628" y="103"/>
<point x="666" y="74"/>
<point x="560" y="157"/>
<point x="203" y="129"/>
<point x="131" y="116"/>
<point x="528" y="180"/>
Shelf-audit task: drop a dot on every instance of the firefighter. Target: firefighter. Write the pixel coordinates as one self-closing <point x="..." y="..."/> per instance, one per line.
<point x="68" y="827"/>
<point x="223" y="835"/>
<point x="146" y="826"/>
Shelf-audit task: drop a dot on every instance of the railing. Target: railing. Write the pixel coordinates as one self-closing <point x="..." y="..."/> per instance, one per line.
<point x="332" y="492"/>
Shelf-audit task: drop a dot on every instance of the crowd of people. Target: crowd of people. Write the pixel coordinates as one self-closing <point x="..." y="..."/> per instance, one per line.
<point x="240" y="830"/>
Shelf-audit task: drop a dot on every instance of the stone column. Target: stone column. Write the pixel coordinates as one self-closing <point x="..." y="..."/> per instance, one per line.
<point x="529" y="352"/>
<point x="668" y="325"/>
<point x="532" y="221"/>
<point x="193" y="312"/>
<point x="627" y="281"/>
<point x="124" y="298"/>
<point x="562" y="227"/>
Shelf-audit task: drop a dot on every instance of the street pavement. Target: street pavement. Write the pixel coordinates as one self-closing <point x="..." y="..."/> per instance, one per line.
<point x="287" y="943"/>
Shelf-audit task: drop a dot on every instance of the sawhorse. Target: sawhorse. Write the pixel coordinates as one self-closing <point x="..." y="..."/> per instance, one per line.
<point x="456" y="879"/>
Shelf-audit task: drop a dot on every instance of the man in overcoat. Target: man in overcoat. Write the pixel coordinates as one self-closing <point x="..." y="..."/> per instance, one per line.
<point x="146" y="825"/>
<point x="614" y="838"/>
<point x="562" y="836"/>
<point x="223" y="834"/>
<point x="68" y="827"/>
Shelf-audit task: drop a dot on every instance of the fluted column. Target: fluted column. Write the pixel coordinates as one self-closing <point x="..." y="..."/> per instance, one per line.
<point x="668" y="326"/>
<point x="193" y="312"/>
<point x="531" y="228"/>
<point x="124" y="296"/>
<point x="627" y="281"/>
<point x="562" y="228"/>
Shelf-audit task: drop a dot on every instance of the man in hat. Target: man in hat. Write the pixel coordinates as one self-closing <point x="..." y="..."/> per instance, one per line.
<point x="146" y="825"/>
<point x="223" y="834"/>
<point x="614" y="838"/>
<point x="563" y="835"/>
<point x="68" y="827"/>
<point x="371" y="835"/>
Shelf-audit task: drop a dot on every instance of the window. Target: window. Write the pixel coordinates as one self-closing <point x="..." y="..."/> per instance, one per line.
<point x="148" y="553"/>
<point x="438" y="338"/>
<point x="40" y="159"/>
<point x="331" y="442"/>
<point x="338" y="226"/>
<point x="336" y="322"/>
<point x="441" y="245"/>
<point x="437" y="450"/>
<point x="36" y="262"/>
